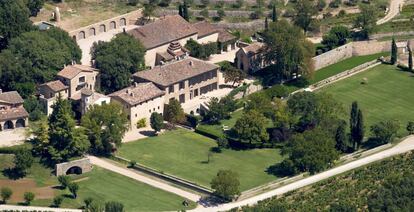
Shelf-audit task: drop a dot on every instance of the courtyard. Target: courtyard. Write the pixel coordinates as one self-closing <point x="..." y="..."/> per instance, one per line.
<point x="188" y="155"/>
<point x="386" y="95"/>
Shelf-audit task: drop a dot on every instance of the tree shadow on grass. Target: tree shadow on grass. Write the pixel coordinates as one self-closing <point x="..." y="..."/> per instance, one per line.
<point x="149" y="133"/>
<point x="13" y="173"/>
<point x="277" y="170"/>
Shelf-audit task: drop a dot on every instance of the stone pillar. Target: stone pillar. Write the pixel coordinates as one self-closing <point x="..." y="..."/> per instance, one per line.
<point x="57" y="14"/>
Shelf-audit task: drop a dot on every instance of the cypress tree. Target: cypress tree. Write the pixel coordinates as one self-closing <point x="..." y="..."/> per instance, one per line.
<point x="266" y="24"/>
<point x="186" y="16"/>
<point x="340" y="137"/>
<point x="180" y="10"/>
<point x="410" y="58"/>
<point x="393" y="52"/>
<point x="353" y="121"/>
<point x="274" y="15"/>
<point x="359" y="130"/>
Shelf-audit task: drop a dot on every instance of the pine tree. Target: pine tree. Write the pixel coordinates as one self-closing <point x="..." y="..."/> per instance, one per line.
<point x="266" y="24"/>
<point x="393" y="52"/>
<point x="274" y="14"/>
<point x="410" y="58"/>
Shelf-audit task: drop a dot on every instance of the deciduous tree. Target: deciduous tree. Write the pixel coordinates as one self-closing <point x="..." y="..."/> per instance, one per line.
<point x="117" y="60"/>
<point x="305" y="11"/>
<point x="251" y="128"/>
<point x="106" y="126"/>
<point x="226" y="184"/>
<point x="73" y="188"/>
<point x="156" y="121"/>
<point x="385" y="131"/>
<point x="366" y="20"/>
<point x="5" y="193"/>
<point x="28" y="197"/>
<point x="174" y="113"/>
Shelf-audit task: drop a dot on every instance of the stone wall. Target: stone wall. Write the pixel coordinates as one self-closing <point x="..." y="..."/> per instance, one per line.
<point x="106" y="25"/>
<point x="333" y="56"/>
<point x="83" y="164"/>
<point x="358" y="48"/>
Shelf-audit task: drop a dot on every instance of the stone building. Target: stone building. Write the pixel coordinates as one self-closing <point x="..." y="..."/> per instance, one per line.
<point x="164" y="39"/>
<point x="75" y="82"/>
<point x="182" y="80"/>
<point x="139" y="101"/>
<point x="250" y="57"/>
<point x="49" y="92"/>
<point x="12" y="113"/>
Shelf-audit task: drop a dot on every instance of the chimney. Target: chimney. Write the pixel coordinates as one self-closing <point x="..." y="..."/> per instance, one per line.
<point x="131" y="94"/>
<point x="191" y="63"/>
<point x="127" y="90"/>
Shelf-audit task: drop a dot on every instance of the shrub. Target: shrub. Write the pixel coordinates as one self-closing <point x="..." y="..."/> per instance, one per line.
<point x="5" y="194"/>
<point x="64" y="181"/>
<point x="132" y="163"/>
<point x="88" y="201"/>
<point x="192" y="120"/>
<point x="74" y="188"/>
<point x="57" y="201"/>
<point x="410" y="127"/>
<point x="141" y="123"/>
<point x="278" y="91"/>
<point x="114" y="207"/>
<point x="222" y="142"/>
<point x="28" y="197"/>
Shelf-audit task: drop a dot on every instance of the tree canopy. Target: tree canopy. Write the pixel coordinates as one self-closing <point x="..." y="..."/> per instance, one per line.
<point x="11" y="24"/>
<point x="251" y="128"/>
<point x="117" y="60"/>
<point x="367" y="20"/>
<point x="287" y="45"/>
<point x="305" y="10"/>
<point x="35" y="57"/>
<point x="226" y="184"/>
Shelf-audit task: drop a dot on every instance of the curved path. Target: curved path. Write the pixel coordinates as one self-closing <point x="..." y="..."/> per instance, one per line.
<point x="404" y="146"/>
<point x="394" y="10"/>
<point x="144" y="179"/>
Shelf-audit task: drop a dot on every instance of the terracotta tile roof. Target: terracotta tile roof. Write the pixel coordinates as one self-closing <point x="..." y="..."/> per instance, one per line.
<point x="55" y="86"/>
<point x="177" y="71"/>
<point x="253" y="48"/>
<point x="13" y="114"/>
<point x="71" y="71"/>
<point x="163" y="31"/>
<point x="225" y="36"/>
<point x="138" y="93"/>
<point x="86" y="91"/>
<point x="11" y="97"/>
<point x="204" y="28"/>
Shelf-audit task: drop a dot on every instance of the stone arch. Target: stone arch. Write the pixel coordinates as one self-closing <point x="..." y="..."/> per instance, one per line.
<point x="8" y="125"/>
<point x="92" y="31"/>
<point x="112" y="25"/>
<point x="81" y="35"/>
<point x="102" y="28"/>
<point x="74" y="170"/>
<point x="20" y="123"/>
<point x="122" y="22"/>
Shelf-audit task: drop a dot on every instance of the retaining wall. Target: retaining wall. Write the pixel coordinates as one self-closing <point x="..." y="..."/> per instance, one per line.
<point x="106" y="25"/>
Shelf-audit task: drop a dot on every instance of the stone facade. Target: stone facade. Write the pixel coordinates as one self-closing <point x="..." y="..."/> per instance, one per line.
<point x="12" y="113"/>
<point x="74" y="167"/>
<point x="106" y="25"/>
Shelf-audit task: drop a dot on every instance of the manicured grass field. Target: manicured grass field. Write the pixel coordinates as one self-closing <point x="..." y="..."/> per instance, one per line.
<point x="217" y="129"/>
<point x="100" y="184"/>
<point x="387" y="95"/>
<point x="185" y="154"/>
<point x="343" y="66"/>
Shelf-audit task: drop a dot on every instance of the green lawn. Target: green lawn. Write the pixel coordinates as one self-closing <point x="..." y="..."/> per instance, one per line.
<point x="387" y="95"/>
<point x="217" y="129"/>
<point x="100" y="184"/>
<point x="344" y="65"/>
<point x="184" y="154"/>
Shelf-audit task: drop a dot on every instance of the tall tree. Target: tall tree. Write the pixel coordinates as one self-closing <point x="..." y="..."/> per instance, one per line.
<point x="341" y="138"/>
<point x="117" y="60"/>
<point x="65" y="140"/>
<point x="34" y="6"/>
<point x="393" y="51"/>
<point x="106" y="126"/>
<point x="274" y="13"/>
<point x="226" y="184"/>
<point x="359" y="130"/>
<point x="186" y="14"/>
<point x="156" y="121"/>
<point x="23" y="160"/>
<point x="288" y="45"/>
<point x="305" y="10"/>
<point x="266" y="24"/>
<point x="35" y="57"/>
<point x="367" y="20"/>
<point x="251" y="128"/>
<point x="14" y="20"/>
<point x="174" y="113"/>
<point x="410" y="58"/>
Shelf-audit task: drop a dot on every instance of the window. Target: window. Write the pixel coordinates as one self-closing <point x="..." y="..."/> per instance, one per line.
<point x="158" y="107"/>
<point x="150" y="111"/>
<point x="195" y="92"/>
<point x="182" y="84"/>
<point x="82" y="79"/>
<point x="171" y="89"/>
<point x="182" y="98"/>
